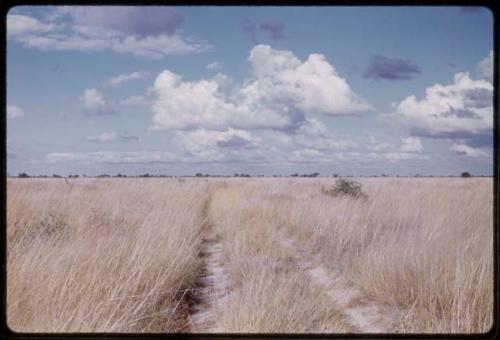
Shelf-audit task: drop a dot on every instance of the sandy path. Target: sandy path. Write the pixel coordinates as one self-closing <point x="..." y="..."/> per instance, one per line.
<point x="360" y="312"/>
<point x="213" y="283"/>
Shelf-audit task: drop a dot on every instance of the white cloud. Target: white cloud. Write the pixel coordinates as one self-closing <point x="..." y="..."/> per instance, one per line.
<point x="313" y="85"/>
<point x="124" y="78"/>
<point x="411" y="144"/>
<point x="278" y="95"/>
<point x="111" y="157"/>
<point x="175" y="107"/>
<point x="19" y="25"/>
<point x="466" y="150"/>
<point x="485" y="68"/>
<point x="156" y="47"/>
<point x="214" y="66"/>
<point x="14" y="112"/>
<point x="313" y="142"/>
<point x="143" y="32"/>
<point x="323" y="147"/>
<point x="462" y="108"/>
<point x="95" y="103"/>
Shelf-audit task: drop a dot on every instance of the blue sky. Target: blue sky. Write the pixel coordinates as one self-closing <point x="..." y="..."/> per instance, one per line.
<point x="260" y="90"/>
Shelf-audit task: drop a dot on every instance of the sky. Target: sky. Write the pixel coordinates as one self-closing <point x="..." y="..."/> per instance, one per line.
<point x="357" y="91"/>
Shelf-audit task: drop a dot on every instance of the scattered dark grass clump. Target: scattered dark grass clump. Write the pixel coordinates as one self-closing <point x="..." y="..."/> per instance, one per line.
<point x="344" y="187"/>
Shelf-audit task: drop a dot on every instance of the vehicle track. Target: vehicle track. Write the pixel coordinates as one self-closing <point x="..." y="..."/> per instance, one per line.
<point x="213" y="284"/>
<point x="360" y="312"/>
<point x="212" y="290"/>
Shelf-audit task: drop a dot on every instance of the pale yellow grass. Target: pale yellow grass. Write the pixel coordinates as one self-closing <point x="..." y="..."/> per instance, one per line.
<point x="423" y="248"/>
<point x="101" y="255"/>
<point x="268" y="292"/>
<point x="118" y="255"/>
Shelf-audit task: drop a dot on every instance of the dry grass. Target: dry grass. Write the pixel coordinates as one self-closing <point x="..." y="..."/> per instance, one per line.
<point x="101" y="255"/>
<point x="118" y="255"/>
<point x="421" y="247"/>
<point x="268" y="291"/>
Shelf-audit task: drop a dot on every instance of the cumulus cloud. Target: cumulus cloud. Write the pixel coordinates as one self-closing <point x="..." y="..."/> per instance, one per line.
<point x="125" y="78"/>
<point x="312" y="85"/>
<point x="468" y="151"/>
<point x="464" y="108"/>
<point x="112" y="136"/>
<point x="14" y="112"/>
<point x="485" y="68"/>
<point x="95" y="103"/>
<point x="391" y="68"/>
<point x="142" y="31"/>
<point x="175" y="108"/>
<point x="411" y="144"/>
<point x="280" y="91"/>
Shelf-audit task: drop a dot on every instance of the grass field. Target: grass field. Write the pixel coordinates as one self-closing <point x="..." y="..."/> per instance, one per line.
<point x="250" y="255"/>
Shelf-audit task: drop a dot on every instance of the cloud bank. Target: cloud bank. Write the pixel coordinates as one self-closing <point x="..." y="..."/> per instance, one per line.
<point x="149" y="32"/>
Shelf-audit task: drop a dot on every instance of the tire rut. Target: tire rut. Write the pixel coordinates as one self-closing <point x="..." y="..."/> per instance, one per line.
<point x="360" y="312"/>
<point x="213" y="283"/>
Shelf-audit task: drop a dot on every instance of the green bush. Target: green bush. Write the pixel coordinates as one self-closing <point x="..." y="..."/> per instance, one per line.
<point x="344" y="187"/>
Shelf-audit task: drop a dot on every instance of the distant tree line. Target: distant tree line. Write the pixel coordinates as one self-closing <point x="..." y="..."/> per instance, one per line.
<point x="314" y="174"/>
<point x="464" y="174"/>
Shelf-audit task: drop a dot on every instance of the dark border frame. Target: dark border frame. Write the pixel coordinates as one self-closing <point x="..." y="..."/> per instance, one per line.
<point x="492" y="5"/>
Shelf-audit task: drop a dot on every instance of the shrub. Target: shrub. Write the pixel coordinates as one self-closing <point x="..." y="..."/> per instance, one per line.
<point x="345" y="188"/>
<point x="466" y="174"/>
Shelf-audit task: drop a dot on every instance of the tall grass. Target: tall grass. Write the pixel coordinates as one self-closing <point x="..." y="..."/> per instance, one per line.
<point x="421" y="247"/>
<point x="119" y="255"/>
<point x="101" y="255"/>
<point x="268" y="292"/>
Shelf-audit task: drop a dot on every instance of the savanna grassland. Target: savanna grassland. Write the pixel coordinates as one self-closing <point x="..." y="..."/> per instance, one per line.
<point x="407" y="255"/>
